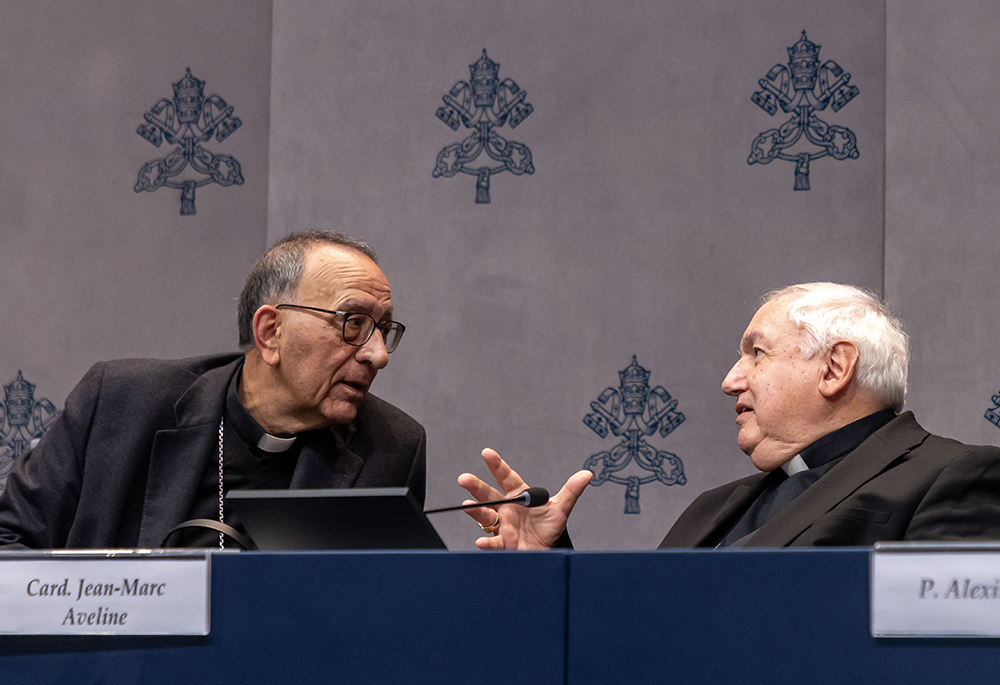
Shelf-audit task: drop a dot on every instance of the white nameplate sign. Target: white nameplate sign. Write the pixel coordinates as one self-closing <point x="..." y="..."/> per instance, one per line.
<point x="107" y="593"/>
<point x="935" y="590"/>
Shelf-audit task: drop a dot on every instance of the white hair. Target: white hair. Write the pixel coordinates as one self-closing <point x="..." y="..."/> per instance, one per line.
<point x="828" y="312"/>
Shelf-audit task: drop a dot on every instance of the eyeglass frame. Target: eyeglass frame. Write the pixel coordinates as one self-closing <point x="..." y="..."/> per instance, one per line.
<point x="383" y="328"/>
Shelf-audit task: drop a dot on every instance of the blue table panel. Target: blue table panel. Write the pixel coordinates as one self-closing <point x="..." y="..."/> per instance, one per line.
<point x="746" y="617"/>
<point x="389" y="617"/>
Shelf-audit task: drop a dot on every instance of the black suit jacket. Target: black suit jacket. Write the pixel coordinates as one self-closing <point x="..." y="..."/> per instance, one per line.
<point x="902" y="483"/>
<point x="122" y="464"/>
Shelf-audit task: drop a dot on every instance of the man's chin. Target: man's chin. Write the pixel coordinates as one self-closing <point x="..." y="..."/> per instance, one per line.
<point x="345" y="416"/>
<point x="341" y="411"/>
<point x="747" y="444"/>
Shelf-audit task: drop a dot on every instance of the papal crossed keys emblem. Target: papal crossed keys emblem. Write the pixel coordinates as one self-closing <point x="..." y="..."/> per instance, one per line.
<point x="633" y="412"/>
<point x="484" y="105"/>
<point x="993" y="413"/>
<point x="23" y="420"/>
<point x="187" y="121"/>
<point x="802" y="89"/>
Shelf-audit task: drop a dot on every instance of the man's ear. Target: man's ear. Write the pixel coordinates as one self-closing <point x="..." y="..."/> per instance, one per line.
<point x="838" y="370"/>
<point x="267" y="333"/>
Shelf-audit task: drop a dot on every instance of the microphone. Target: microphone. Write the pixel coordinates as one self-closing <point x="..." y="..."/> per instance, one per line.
<point x="532" y="497"/>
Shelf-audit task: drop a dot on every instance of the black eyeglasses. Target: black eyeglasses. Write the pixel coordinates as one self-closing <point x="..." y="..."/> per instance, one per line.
<point x="357" y="328"/>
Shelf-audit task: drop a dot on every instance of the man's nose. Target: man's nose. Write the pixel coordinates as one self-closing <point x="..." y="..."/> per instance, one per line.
<point x="735" y="381"/>
<point x="373" y="351"/>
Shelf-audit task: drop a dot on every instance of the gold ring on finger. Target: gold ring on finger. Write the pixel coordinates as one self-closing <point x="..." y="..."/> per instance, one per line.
<point x="493" y="527"/>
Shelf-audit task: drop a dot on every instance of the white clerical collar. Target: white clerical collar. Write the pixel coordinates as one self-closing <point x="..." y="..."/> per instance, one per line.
<point x="794" y="465"/>
<point x="274" y="444"/>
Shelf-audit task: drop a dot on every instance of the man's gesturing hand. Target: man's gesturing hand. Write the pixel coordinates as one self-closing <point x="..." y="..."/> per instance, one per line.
<point x="520" y="528"/>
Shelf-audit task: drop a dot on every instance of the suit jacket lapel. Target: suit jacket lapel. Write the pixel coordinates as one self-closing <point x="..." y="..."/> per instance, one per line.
<point x="872" y="457"/>
<point x="178" y="460"/>
<point x="742" y="496"/>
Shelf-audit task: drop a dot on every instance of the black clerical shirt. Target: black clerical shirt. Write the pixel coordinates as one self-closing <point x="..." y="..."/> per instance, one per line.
<point x="310" y="462"/>
<point x="821" y="456"/>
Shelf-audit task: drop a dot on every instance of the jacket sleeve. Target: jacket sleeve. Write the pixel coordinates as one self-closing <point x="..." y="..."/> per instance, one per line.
<point x="417" y="480"/>
<point x="40" y="501"/>
<point x="964" y="501"/>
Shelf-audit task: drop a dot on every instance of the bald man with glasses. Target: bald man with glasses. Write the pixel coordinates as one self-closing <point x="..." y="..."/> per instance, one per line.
<point x="146" y="445"/>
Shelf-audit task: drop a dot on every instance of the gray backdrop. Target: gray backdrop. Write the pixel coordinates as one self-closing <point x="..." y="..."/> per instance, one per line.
<point x="91" y="269"/>
<point x="641" y="231"/>
<point x="942" y="181"/>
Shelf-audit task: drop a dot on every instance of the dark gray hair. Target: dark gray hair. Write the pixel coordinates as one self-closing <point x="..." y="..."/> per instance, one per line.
<point x="276" y="274"/>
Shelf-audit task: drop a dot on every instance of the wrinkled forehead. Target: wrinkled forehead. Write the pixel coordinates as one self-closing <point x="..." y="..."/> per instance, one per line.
<point x="771" y="324"/>
<point x="333" y="273"/>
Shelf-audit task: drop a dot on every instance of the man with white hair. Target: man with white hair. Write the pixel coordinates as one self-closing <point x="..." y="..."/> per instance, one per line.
<point x="819" y="383"/>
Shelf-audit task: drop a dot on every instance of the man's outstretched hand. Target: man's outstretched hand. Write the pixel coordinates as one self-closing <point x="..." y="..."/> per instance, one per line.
<point x="520" y="527"/>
